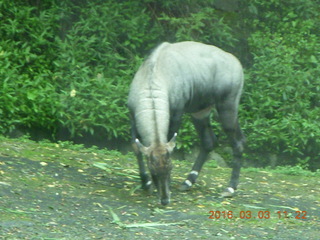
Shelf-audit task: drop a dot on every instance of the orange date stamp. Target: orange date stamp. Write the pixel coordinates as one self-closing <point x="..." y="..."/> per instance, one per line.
<point x="302" y="215"/>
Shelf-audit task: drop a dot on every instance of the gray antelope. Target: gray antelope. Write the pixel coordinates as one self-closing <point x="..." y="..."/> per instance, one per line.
<point x="178" y="78"/>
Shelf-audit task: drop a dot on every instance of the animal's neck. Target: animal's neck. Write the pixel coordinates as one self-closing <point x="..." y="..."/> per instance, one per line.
<point x="153" y="117"/>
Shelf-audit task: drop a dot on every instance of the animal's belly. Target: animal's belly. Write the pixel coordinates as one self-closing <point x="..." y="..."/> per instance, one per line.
<point x="202" y="113"/>
<point x="200" y="106"/>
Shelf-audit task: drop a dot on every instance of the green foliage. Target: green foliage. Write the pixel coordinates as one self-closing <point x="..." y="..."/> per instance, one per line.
<point x="99" y="55"/>
<point x="294" y="170"/>
<point x="26" y="52"/>
<point x="287" y="170"/>
<point x="195" y="25"/>
<point x="68" y="64"/>
<point x="281" y="102"/>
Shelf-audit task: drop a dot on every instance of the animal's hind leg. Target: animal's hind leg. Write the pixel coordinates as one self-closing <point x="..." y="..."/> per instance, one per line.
<point x="229" y="120"/>
<point x="207" y="140"/>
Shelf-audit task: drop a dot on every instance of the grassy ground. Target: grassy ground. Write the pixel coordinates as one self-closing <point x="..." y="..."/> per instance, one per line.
<point x="65" y="191"/>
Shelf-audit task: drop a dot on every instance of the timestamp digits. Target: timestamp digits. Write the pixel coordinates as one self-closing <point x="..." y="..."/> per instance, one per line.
<point x="256" y="215"/>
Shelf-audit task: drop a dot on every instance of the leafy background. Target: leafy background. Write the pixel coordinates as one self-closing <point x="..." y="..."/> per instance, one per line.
<point x="65" y="68"/>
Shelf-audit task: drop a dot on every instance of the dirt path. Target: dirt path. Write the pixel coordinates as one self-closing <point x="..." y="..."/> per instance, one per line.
<point x="50" y="191"/>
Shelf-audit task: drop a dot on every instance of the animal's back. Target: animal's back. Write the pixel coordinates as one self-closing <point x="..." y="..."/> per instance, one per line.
<point x="188" y="68"/>
<point x="201" y="64"/>
<point x="196" y="71"/>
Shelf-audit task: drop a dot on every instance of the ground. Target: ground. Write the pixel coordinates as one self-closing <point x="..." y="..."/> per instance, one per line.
<point x="65" y="191"/>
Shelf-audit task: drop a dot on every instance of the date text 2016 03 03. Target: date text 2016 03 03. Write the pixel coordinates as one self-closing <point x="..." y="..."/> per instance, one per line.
<point x="256" y="215"/>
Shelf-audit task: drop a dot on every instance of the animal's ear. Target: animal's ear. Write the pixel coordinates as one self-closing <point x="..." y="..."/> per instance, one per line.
<point x="172" y="143"/>
<point x="143" y="149"/>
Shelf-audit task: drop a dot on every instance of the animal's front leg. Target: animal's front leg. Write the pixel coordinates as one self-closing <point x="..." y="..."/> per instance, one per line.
<point x="145" y="179"/>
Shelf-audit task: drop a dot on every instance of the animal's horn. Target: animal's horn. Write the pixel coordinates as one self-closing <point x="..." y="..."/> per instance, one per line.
<point x="172" y="143"/>
<point x="142" y="148"/>
<point x="173" y="139"/>
<point x="138" y="143"/>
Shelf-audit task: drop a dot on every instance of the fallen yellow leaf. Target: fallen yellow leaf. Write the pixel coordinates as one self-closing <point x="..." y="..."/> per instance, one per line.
<point x="201" y="206"/>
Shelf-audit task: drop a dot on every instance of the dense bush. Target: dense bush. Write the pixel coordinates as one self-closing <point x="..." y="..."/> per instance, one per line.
<point x="68" y="64"/>
<point x="281" y="102"/>
<point x="27" y="49"/>
<point x="98" y="57"/>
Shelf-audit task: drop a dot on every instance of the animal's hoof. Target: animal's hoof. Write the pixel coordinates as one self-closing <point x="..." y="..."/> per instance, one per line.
<point x="228" y="193"/>
<point x="146" y="186"/>
<point x="186" y="185"/>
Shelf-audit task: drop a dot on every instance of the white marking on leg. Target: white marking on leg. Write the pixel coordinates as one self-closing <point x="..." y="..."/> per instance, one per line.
<point x="194" y="172"/>
<point x="230" y="189"/>
<point x="187" y="182"/>
<point x="149" y="183"/>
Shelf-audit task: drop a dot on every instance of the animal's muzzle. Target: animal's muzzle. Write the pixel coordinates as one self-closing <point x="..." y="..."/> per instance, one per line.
<point x="164" y="191"/>
<point x="162" y="184"/>
<point x="165" y="201"/>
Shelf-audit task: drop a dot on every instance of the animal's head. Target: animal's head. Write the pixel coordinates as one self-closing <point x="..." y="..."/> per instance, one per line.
<point x="160" y="166"/>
